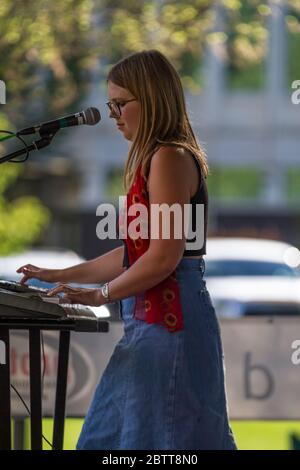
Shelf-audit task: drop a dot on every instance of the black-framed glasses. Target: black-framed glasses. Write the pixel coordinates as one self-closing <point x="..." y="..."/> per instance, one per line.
<point x="115" y="107"/>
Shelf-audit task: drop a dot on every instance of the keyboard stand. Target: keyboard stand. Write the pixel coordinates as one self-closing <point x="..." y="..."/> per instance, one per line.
<point x="34" y="326"/>
<point x="61" y="390"/>
<point x="5" y="434"/>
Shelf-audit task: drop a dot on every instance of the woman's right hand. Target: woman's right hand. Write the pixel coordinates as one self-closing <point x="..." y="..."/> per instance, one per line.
<point x="31" y="271"/>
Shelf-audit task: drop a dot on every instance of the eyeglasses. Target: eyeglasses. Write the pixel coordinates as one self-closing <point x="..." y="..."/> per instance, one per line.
<point x="115" y="107"/>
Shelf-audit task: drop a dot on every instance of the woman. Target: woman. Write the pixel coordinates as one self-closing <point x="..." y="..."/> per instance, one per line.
<point x="163" y="387"/>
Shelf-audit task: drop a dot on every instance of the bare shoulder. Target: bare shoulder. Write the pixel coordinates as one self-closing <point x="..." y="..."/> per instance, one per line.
<point x="167" y="155"/>
<point x="168" y="169"/>
<point x="169" y="164"/>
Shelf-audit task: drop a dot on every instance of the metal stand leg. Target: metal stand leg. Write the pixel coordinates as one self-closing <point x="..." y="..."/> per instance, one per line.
<point x="35" y="389"/>
<point x="5" y="431"/>
<point x="61" y="390"/>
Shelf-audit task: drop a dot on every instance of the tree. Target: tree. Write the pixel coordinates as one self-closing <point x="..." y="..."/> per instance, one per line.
<point x="46" y="53"/>
<point x="48" y="50"/>
<point x="182" y="30"/>
<point x="177" y="28"/>
<point x="22" y="219"/>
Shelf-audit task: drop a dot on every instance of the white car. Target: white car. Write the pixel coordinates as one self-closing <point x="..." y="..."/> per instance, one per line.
<point x="247" y="276"/>
<point x="47" y="258"/>
<point x="52" y="259"/>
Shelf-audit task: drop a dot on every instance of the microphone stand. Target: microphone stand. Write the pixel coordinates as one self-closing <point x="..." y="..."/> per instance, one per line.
<point x="44" y="141"/>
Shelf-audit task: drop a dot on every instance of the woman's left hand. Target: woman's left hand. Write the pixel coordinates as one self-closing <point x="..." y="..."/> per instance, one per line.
<point x="78" y="295"/>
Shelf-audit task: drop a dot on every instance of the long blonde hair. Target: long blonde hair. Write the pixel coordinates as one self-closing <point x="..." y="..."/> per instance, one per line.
<point x="154" y="82"/>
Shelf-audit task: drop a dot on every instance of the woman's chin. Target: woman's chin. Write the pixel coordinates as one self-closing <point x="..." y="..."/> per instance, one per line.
<point x="127" y="136"/>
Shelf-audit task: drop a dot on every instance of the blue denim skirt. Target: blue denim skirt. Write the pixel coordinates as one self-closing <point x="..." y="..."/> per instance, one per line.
<point x="162" y="390"/>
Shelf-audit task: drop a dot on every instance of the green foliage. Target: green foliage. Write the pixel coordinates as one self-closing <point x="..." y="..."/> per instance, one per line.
<point x="48" y="49"/>
<point x="293" y="185"/>
<point x="46" y="52"/>
<point x="8" y="174"/>
<point x="182" y="30"/>
<point x="176" y="28"/>
<point x="21" y="220"/>
<point x="115" y="183"/>
<point x="293" y="27"/>
<point x="53" y="46"/>
<point x="235" y="183"/>
<point x="247" y="43"/>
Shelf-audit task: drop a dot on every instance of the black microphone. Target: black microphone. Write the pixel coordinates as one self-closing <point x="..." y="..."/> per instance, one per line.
<point x="90" y="116"/>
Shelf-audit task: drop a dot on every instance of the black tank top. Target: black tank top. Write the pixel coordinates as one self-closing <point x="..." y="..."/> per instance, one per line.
<point x="201" y="197"/>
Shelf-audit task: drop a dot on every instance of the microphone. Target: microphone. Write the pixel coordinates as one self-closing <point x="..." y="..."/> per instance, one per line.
<point x="90" y="116"/>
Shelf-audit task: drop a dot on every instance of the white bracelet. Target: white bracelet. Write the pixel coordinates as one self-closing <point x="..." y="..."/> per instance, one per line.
<point x="105" y="291"/>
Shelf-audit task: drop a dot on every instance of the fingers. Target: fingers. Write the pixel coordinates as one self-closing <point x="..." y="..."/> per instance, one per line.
<point x="24" y="279"/>
<point x="20" y="270"/>
<point x="25" y="268"/>
<point x="62" y="288"/>
<point x="71" y="295"/>
<point x="57" y="289"/>
<point x="29" y="271"/>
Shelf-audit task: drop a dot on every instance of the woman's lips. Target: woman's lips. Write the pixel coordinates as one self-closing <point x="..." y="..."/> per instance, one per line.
<point x="120" y="125"/>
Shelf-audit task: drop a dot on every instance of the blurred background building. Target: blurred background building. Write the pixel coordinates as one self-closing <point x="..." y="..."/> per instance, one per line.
<point x="239" y="64"/>
<point x="238" y="93"/>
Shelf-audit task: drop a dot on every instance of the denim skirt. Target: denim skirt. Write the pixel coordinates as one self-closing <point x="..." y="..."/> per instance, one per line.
<point x="162" y="390"/>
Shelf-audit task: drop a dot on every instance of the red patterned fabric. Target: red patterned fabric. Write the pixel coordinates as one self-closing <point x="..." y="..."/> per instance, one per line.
<point x="160" y="304"/>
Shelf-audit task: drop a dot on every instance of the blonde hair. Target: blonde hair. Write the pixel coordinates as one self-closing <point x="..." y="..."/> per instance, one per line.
<point x="154" y="82"/>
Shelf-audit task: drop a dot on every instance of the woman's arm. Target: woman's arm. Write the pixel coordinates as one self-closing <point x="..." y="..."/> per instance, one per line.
<point x="168" y="184"/>
<point x="98" y="270"/>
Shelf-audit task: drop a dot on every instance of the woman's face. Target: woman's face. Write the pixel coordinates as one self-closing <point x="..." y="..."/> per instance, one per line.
<point x="130" y="112"/>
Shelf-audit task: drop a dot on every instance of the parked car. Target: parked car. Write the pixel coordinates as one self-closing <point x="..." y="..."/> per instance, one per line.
<point x="52" y="259"/>
<point x="244" y="276"/>
<point x="248" y="276"/>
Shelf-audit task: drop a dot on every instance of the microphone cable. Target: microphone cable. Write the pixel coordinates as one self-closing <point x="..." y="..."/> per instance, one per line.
<point x="14" y="134"/>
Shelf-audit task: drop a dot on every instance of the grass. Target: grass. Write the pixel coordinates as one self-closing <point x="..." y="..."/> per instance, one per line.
<point x="249" y="435"/>
<point x="72" y="431"/>
<point x="265" y="435"/>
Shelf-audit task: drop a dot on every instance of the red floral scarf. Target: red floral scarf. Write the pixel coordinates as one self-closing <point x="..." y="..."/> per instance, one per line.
<point x="160" y="304"/>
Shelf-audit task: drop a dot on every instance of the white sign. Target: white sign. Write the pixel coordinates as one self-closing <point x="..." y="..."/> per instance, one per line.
<point x="89" y="354"/>
<point x="261" y="358"/>
<point x="262" y="378"/>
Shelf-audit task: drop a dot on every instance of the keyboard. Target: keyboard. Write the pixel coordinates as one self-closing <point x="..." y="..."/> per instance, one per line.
<point x="14" y="286"/>
<point x="21" y="302"/>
